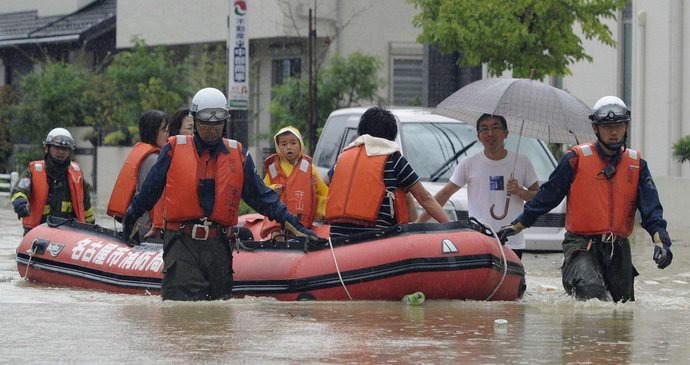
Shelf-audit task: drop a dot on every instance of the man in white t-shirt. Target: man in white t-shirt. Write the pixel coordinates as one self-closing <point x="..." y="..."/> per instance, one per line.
<point x="488" y="178"/>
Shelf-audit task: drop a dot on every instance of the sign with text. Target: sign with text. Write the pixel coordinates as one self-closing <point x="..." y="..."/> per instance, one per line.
<point x="238" y="56"/>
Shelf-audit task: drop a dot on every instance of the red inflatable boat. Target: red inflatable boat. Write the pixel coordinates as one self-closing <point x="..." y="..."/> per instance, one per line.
<point x="444" y="261"/>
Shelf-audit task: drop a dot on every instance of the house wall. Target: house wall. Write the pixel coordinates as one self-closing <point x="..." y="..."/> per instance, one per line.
<point x="661" y="71"/>
<point x="353" y="25"/>
<point x="44" y="8"/>
<point x="109" y="161"/>
<point x="591" y="80"/>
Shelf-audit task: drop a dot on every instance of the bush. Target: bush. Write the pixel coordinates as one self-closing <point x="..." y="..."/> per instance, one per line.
<point x="681" y="149"/>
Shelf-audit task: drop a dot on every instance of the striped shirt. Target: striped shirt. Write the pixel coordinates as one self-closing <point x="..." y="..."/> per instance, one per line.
<point x="397" y="173"/>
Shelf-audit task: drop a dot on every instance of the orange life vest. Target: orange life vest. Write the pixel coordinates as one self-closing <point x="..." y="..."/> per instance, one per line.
<point x="299" y="194"/>
<point x="126" y="185"/>
<point x="597" y="205"/>
<point x="182" y="201"/>
<point x="40" y="190"/>
<point x="357" y="190"/>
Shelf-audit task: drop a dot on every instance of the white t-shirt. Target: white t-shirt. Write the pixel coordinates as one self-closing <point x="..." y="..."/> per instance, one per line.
<point x="487" y="181"/>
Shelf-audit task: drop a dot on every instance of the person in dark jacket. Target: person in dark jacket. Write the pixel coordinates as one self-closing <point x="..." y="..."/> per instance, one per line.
<point x="605" y="183"/>
<point x="204" y="177"/>
<point x="54" y="186"/>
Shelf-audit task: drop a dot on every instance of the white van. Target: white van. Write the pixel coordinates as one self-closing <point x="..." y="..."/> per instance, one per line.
<point x="427" y="141"/>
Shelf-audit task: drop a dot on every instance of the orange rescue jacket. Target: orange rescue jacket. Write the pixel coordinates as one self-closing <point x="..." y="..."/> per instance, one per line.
<point x="357" y="190"/>
<point x="182" y="201"/>
<point x="597" y="205"/>
<point x="126" y="185"/>
<point x="40" y="190"/>
<point x="299" y="194"/>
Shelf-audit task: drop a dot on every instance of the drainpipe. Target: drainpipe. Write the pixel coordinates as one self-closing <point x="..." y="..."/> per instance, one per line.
<point x="639" y="101"/>
<point x="338" y="25"/>
<point x="676" y="82"/>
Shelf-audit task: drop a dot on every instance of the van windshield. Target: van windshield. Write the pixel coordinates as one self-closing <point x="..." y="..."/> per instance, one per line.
<point x="428" y="145"/>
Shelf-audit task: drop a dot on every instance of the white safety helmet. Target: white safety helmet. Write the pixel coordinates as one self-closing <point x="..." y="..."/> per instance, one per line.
<point x="60" y="137"/>
<point x="610" y="109"/>
<point x="209" y="105"/>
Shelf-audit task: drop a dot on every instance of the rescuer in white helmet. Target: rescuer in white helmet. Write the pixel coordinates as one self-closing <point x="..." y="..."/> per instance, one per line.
<point x="54" y="186"/>
<point x="605" y="183"/>
<point x="204" y="177"/>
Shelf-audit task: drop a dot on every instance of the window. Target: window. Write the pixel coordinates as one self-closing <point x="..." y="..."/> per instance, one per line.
<point x="408" y="81"/>
<point x="428" y="145"/>
<point x="329" y="142"/>
<point x="282" y="69"/>
<point x="406" y="75"/>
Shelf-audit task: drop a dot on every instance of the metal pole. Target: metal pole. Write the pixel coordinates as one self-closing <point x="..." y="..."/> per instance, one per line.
<point x="310" y="107"/>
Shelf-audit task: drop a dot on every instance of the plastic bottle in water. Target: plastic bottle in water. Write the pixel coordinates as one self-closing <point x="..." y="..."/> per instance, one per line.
<point x="414" y="298"/>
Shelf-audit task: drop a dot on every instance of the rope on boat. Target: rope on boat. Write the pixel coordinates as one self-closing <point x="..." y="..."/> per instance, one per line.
<point x="31" y="253"/>
<point x="337" y="269"/>
<point x="505" y="263"/>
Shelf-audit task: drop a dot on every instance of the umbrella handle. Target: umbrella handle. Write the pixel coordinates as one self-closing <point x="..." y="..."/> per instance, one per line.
<point x="505" y="209"/>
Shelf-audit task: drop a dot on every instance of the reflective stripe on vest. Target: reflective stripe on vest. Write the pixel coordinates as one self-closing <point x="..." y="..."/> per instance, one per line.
<point x="299" y="192"/>
<point x="40" y="190"/>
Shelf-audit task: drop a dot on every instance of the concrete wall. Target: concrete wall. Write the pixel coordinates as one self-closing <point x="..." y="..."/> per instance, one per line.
<point x="110" y="160"/>
<point x="661" y="94"/>
<point x="171" y="22"/>
<point x="45" y="8"/>
<point x="673" y="193"/>
<point x="84" y="153"/>
<point x="590" y="81"/>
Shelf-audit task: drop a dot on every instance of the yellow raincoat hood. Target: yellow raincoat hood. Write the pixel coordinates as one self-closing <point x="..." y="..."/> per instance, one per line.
<point x="297" y="134"/>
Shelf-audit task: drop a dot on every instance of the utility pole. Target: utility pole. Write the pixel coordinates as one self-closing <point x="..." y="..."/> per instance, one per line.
<point x="311" y="109"/>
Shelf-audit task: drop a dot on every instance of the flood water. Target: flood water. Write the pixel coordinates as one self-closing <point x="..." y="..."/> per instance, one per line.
<point x="57" y="325"/>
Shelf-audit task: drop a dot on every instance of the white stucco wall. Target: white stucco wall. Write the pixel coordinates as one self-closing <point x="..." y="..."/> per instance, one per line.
<point x="110" y="161"/>
<point x="591" y="80"/>
<point x="172" y="22"/>
<point x="662" y="76"/>
<point x="45" y="8"/>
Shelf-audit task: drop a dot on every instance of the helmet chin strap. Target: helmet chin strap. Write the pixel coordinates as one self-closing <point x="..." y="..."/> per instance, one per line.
<point x="208" y="143"/>
<point x="614" y="146"/>
<point x="55" y="162"/>
<point x="214" y="142"/>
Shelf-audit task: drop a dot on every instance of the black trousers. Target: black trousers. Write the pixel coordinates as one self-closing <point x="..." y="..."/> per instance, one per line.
<point x="195" y="269"/>
<point x="603" y="270"/>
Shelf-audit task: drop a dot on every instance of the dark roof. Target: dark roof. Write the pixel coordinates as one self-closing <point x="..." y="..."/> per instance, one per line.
<point x="27" y="28"/>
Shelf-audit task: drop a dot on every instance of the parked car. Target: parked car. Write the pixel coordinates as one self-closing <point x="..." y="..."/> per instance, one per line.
<point x="428" y="141"/>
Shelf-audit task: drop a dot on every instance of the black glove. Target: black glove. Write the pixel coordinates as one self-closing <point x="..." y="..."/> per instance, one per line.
<point x="127" y="228"/>
<point x="662" y="251"/>
<point x="293" y="225"/>
<point x="21" y="207"/>
<point x="508" y="231"/>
